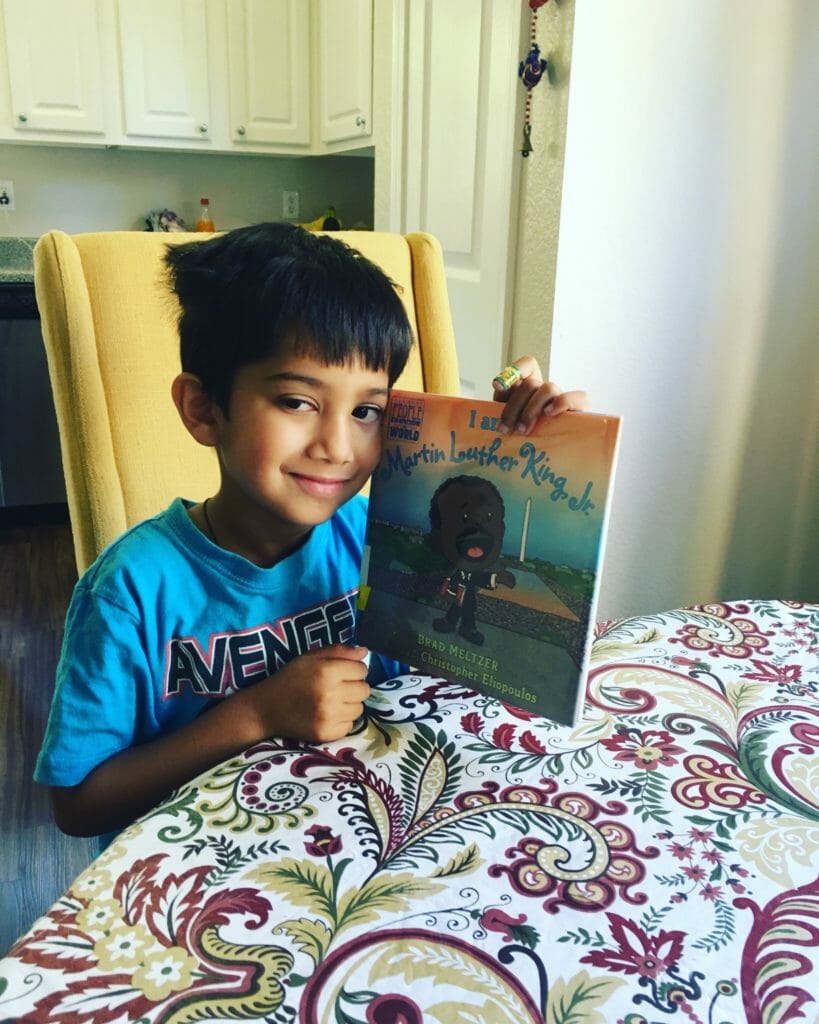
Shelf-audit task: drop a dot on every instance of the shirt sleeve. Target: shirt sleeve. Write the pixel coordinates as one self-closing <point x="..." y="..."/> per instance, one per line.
<point x="103" y="680"/>
<point x="383" y="668"/>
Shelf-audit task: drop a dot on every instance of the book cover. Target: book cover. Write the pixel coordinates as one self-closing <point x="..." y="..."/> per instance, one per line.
<point x="483" y="550"/>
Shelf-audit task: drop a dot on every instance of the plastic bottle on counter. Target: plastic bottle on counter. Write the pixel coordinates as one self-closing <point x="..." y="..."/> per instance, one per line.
<point x="205" y="222"/>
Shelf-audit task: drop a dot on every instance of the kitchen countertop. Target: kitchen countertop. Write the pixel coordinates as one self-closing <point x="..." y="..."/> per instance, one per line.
<point x="16" y="256"/>
<point x="17" y="300"/>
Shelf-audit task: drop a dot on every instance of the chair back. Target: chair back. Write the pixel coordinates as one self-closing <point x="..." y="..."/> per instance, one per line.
<point x="109" y="325"/>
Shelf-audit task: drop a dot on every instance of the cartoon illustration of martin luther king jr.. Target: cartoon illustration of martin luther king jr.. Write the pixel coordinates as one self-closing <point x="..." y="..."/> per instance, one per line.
<point x="466" y="515"/>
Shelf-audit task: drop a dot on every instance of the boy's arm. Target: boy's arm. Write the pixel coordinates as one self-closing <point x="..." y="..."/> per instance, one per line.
<point x="317" y="696"/>
<point x="530" y="397"/>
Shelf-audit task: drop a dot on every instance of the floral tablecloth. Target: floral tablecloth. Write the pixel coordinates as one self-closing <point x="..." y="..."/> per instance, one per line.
<point x="458" y="861"/>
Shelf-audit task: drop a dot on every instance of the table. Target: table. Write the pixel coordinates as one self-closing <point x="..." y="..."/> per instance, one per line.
<point x="456" y="860"/>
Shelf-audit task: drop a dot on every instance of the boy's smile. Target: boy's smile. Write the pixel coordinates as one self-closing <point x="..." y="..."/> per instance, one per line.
<point x="301" y="438"/>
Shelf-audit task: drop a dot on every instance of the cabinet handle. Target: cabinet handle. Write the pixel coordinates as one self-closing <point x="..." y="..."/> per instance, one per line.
<point x="22" y="118"/>
<point x="240" y="130"/>
<point x="360" y="121"/>
<point x="203" y="128"/>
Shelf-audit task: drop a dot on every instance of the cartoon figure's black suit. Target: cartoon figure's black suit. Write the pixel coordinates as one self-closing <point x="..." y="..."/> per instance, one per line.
<point x="466" y="515"/>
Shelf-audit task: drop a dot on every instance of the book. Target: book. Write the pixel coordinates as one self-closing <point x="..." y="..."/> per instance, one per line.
<point x="483" y="550"/>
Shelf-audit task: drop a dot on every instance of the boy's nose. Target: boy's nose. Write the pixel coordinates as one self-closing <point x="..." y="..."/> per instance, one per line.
<point x="333" y="440"/>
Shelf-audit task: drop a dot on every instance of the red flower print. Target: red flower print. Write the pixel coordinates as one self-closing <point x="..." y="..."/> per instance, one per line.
<point x="727" y="636"/>
<point x="637" y="952"/>
<point x="702" y="835"/>
<point x="525" y="716"/>
<point x="680" y="659"/>
<point x="647" y="749"/>
<point x="472" y="723"/>
<point x="711" y="892"/>
<point x="694" y="872"/>
<point x="324" y="842"/>
<point x="528" y="864"/>
<point x="503" y="736"/>
<point x="712" y="856"/>
<point x="494" y="920"/>
<point x="681" y="852"/>
<point x="767" y="672"/>
<point x="531" y="744"/>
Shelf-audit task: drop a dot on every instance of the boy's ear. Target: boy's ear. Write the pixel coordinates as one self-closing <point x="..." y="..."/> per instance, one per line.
<point x="197" y="409"/>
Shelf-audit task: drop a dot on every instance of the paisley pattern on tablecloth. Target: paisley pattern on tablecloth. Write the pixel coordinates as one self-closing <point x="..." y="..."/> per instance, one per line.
<point x="458" y="860"/>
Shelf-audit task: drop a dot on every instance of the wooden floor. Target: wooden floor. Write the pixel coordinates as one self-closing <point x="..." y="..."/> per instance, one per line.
<point x="37" y="862"/>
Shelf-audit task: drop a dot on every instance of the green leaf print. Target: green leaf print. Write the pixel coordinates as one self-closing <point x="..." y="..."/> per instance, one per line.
<point x="462" y="862"/>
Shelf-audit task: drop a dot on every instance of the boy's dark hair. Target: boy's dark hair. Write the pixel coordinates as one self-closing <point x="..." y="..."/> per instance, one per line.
<point x="243" y="293"/>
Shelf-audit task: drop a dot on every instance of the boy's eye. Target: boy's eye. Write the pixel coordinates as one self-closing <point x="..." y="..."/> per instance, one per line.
<point x="294" y="404"/>
<point x="368" y="413"/>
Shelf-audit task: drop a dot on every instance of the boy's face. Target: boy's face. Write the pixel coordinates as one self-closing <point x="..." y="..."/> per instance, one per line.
<point x="301" y="438"/>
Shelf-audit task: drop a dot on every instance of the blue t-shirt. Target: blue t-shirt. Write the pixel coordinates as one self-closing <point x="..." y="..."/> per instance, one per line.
<point x="165" y="622"/>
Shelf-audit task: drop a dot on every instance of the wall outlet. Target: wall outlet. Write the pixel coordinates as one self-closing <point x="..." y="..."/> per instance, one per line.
<point x="6" y="194"/>
<point x="290" y="204"/>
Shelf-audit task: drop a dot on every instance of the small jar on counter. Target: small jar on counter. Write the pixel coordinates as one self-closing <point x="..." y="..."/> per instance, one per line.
<point x="205" y="222"/>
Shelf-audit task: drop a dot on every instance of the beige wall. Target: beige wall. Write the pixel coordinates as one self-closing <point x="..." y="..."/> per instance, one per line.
<point x="79" y="189"/>
<point x="686" y="295"/>
<point x="541" y="185"/>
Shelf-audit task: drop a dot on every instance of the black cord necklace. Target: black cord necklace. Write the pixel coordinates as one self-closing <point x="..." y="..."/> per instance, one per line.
<point x="209" y="524"/>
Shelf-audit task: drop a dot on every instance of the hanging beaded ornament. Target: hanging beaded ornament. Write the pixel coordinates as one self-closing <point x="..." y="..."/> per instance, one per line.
<point x="530" y="72"/>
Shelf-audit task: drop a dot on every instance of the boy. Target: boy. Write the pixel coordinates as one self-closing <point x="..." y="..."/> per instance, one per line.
<point x="289" y="344"/>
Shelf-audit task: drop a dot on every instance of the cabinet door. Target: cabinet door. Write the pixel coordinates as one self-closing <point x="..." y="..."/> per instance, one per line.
<point x="344" y="72"/>
<point x="269" y="71"/>
<point x="164" y="55"/>
<point x="54" y="66"/>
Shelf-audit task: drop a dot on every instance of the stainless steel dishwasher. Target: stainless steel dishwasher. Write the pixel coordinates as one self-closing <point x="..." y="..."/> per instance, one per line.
<point x="30" y="464"/>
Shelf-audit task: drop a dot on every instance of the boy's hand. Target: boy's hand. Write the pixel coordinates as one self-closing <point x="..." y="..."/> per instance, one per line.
<point x="317" y="696"/>
<point x="530" y="398"/>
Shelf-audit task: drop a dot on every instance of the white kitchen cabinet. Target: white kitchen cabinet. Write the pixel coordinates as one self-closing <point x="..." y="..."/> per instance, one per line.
<point x="226" y="76"/>
<point x="300" y="74"/>
<point x="56" y="80"/>
<point x="344" y="70"/>
<point x="163" y="47"/>
<point x="269" y="72"/>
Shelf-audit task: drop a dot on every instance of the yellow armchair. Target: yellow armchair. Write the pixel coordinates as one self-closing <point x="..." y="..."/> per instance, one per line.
<point x="109" y="324"/>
